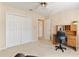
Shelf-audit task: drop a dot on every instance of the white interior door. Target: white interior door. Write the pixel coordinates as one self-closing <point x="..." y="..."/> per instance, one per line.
<point x="18" y="30"/>
<point x="40" y="28"/>
<point x="47" y="29"/>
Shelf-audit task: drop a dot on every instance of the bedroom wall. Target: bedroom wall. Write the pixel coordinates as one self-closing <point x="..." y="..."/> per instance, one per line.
<point x="2" y="28"/>
<point x="10" y="9"/>
<point x="65" y="17"/>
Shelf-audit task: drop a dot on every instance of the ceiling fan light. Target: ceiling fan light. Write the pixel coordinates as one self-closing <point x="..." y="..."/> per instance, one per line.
<point x="43" y="4"/>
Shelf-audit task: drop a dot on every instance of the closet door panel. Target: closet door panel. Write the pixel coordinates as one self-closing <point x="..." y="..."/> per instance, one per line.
<point x="26" y="30"/>
<point x="13" y="30"/>
<point x="18" y="30"/>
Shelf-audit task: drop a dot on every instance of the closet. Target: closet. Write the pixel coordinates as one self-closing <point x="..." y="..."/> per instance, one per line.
<point x="18" y="30"/>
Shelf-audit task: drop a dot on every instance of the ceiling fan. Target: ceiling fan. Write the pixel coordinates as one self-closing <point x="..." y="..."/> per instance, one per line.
<point x="41" y="4"/>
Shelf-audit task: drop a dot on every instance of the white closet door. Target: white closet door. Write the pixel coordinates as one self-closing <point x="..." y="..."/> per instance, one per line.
<point x="13" y="30"/>
<point x="26" y="29"/>
<point x="18" y="30"/>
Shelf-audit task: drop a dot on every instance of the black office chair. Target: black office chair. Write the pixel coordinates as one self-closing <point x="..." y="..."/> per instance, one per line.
<point x="61" y="37"/>
<point x="60" y="46"/>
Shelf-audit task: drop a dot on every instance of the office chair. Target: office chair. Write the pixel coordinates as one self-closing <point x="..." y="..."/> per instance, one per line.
<point x="60" y="46"/>
<point x="61" y="38"/>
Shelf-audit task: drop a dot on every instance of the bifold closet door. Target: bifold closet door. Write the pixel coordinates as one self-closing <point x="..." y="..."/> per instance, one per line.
<point x="18" y="30"/>
<point x="26" y="29"/>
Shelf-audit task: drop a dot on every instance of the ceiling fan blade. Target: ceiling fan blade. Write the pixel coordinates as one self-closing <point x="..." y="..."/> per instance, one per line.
<point x="39" y="5"/>
<point x="36" y="7"/>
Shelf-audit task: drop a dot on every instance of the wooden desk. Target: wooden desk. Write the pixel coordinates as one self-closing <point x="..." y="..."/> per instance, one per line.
<point x="71" y="41"/>
<point x="54" y="40"/>
<point x="71" y="33"/>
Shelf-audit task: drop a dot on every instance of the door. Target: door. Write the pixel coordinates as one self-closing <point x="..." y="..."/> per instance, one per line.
<point x="26" y="30"/>
<point x="18" y="30"/>
<point x="13" y="30"/>
<point x="40" y="29"/>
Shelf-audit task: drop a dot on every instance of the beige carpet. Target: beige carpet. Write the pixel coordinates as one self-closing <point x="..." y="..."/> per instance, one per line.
<point x="40" y="48"/>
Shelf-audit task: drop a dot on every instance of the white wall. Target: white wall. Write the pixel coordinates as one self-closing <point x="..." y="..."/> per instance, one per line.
<point x="2" y="27"/>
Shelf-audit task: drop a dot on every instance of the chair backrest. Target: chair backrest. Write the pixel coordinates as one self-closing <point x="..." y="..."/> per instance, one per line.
<point x="61" y="36"/>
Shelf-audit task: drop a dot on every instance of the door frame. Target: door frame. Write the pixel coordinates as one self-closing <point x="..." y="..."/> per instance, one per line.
<point x="41" y="20"/>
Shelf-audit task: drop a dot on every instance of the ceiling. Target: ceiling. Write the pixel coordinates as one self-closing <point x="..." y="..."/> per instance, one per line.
<point x="52" y="7"/>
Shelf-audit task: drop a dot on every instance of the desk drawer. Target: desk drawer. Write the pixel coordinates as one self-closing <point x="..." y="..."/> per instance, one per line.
<point x="72" y="41"/>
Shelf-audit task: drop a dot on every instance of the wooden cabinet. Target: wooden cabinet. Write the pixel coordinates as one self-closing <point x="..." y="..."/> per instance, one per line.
<point x="71" y="41"/>
<point x="73" y="27"/>
<point x="70" y="27"/>
<point x="70" y="31"/>
<point x="66" y="27"/>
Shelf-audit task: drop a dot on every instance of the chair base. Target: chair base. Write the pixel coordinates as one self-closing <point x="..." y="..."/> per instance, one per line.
<point x="60" y="47"/>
